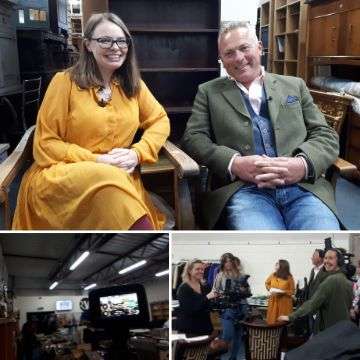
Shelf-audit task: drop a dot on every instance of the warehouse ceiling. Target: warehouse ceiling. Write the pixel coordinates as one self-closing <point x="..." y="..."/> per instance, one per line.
<point x="34" y="261"/>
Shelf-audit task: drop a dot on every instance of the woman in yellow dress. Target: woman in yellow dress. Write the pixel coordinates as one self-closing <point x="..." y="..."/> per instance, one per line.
<point x="85" y="173"/>
<point x="281" y="286"/>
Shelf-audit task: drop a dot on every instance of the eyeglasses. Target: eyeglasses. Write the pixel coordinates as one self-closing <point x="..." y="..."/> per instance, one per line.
<point x="231" y="53"/>
<point x="107" y="42"/>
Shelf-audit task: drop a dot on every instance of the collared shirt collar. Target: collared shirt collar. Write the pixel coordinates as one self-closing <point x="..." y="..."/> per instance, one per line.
<point x="318" y="267"/>
<point x="255" y="91"/>
<point x="259" y="81"/>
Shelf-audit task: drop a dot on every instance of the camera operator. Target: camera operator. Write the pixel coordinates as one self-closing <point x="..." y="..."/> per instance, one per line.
<point x="332" y="299"/>
<point x="281" y="286"/>
<point x="231" y="281"/>
<point x="193" y="296"/>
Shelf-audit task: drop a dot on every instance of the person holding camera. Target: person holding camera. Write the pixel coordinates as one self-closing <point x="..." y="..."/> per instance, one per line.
<point x="230" y="281"/>
<point x="281" y="286"/>
<point x="194" y="297"/>
<point x="333" y="298"/>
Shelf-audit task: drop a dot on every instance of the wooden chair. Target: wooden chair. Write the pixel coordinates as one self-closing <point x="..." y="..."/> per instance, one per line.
<point x="172" y="162"/>
<point x="334" y="106"/>
<point x="3" y="151"/>
<point x="30" y="98"/>
<point x="262" y="341"/>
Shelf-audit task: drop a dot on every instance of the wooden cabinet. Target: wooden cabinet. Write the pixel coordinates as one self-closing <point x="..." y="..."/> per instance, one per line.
<point x="328" y="26"/>
<point x="338" y="22"/>
<point x="176" y="46"/>
<point x="8" y="332"/>
<point x="352" y="31"/>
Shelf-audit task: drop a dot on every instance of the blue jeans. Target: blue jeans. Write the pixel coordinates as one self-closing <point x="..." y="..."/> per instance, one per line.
<point x="283" y="208"/>
<point x="231" y="333"/>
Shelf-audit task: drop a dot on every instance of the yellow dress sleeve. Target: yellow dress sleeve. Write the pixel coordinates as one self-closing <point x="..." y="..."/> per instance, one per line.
<point x="156" y="126"/>
<point x="268" y="282"/>
<point x="49" y="144"/>
<point x="291" y="287"/>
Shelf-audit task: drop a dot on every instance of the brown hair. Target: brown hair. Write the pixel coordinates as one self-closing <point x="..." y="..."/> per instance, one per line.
<point x="284" y="270"/>
<point x="85" y="73"/>
<point x="186" y="277"/>
<point x="235" y="262"/>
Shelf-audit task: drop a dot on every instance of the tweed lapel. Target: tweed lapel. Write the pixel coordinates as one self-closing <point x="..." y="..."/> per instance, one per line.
<point x="232" y="94"/>
<point x="272" y="93"/>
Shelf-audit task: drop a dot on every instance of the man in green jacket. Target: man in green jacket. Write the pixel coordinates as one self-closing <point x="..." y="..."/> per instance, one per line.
<point x="265" y="143"/>
<point x="333" y="298"/>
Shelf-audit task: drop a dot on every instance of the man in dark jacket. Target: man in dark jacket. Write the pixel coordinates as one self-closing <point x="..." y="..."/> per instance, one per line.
<point x="318" y="273"/>
<point x="332" y="300"/>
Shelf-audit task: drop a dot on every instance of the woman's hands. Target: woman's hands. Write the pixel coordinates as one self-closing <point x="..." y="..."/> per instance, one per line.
<point x="125" y="159"/>
<point x="212" y="295"/>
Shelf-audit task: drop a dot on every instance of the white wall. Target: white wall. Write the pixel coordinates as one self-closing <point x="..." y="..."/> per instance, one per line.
<point x="258" y="252"/>
<point x="44" y="303"/>
<point x="241" y="10"/>
<point x="158" y="289"/>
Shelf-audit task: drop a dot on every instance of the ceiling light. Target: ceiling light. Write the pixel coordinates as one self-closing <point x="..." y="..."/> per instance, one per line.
<point x="162" y="273"/>
<point x="53" y="285"/>
<point x="132" y="267"/>
<point x="79" y="260"/>
<point x="90" y="286"/>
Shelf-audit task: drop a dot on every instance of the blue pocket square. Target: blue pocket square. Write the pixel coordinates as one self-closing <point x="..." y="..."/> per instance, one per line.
<point x="291" y="99"/>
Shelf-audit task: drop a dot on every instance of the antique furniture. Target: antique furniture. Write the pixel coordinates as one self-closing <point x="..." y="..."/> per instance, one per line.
<point x="173" y="162"/>
<point x="192" y="350"/>
<point x="338" y="55"/>
<point x="262" y="341"/>
<point x="30" y="98"/>
<point x="265" y="31"/>
<point x="8" y="333"/>
<point x="334" y="106"/>
<point x="289" y="37"/>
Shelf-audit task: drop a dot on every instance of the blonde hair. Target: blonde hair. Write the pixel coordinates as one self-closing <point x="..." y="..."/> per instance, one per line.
<point x="85" y="73"/>
<point x="185" y="276"/>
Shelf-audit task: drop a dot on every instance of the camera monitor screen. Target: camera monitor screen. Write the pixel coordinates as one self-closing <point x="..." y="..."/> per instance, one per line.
<point x="124" y="305"/>
<point x="119" y="305"/>
<point x="63" y="305"/>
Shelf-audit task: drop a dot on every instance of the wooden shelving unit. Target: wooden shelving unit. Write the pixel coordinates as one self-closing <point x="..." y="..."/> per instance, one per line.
<point x="176" y="47"/>
<point x="289" y="37"/>
<point x="264" y="31"/>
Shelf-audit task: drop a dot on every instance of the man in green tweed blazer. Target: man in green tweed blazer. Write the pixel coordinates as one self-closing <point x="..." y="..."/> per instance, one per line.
<point x="265" y="143"/>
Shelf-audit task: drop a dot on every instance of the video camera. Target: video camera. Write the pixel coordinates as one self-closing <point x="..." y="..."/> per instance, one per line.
<point x="235" y="291"/>
<point x="344" y="259"/>
<point x="113" y="312"/>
